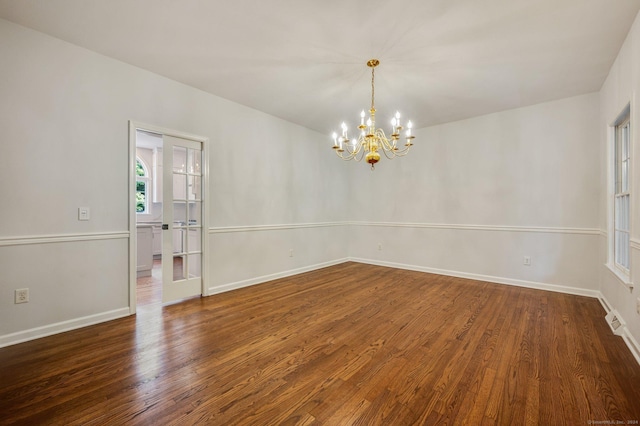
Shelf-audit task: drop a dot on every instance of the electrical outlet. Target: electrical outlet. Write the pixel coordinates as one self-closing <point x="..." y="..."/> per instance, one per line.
<point x="22" y="295"/>
<point x="291" y="253"/>
<point x="379" y="246"/>
<point x="526" y="261"/>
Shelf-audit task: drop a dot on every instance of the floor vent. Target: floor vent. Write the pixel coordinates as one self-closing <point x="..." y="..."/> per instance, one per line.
<point x="616" y="324"/>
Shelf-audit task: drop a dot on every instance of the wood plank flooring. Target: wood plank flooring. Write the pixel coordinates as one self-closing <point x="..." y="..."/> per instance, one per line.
<point x="352" y="344"/>
<point x="149" y="289"/>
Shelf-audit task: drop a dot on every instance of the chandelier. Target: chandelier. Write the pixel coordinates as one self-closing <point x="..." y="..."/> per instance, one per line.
<point x="370" y="140"/>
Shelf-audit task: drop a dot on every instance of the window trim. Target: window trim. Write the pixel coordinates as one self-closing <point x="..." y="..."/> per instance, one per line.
<point x="621" y="160"/>
<point x="147" y="182"/>
<point x="619" y="270"/>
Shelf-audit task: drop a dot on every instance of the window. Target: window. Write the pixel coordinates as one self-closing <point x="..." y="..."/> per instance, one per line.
<point x="621" y="206"/>
<point x="142" y="188"/>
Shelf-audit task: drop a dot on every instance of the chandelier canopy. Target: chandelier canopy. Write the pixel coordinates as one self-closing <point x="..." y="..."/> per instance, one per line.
<point x="370" y="140"/>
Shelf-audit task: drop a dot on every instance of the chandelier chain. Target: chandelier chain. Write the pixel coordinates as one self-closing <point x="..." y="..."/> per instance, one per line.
<point x="373" y="87"/>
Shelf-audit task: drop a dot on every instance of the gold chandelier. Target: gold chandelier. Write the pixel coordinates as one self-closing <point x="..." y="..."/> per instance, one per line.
<point x="371" y="140"/>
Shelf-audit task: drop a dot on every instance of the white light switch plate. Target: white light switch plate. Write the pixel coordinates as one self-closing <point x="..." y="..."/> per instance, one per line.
<point x="84" y="213"/>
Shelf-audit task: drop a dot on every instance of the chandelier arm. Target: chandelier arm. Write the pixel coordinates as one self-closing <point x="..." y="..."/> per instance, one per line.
<point x="389" y="154"/>
<point x="403" y="152"/>
<point x="351" y="154"/>
<point x="348" y="149"/>
<point x="347" y="157"/>
<point x="383" y="141"/>
<point x="353" y="150"/>
<point x="353" y="157"/>
<point x="387" y="145"/>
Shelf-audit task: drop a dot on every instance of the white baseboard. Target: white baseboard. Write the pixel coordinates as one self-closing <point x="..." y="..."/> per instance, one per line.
<point x="61" y="327"/>
<point x="632" y="344"/>
<point x="258" y="280"/>
<point x="499" y="280"/>
<point x="605" y="303"/>
<point x="630" y="341"/>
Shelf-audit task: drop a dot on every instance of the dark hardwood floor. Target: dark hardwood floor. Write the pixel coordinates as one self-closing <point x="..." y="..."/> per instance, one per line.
<point x="350" y="344"/>
<point x="149" y="289"/>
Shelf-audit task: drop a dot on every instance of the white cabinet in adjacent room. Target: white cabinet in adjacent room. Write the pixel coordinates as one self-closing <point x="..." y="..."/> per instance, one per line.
<point x="157" y="240"/>
<point x="144" y="251"/>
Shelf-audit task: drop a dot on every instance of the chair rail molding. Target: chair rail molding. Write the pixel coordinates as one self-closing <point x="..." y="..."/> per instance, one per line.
<point x="62" y="238"/>
<point x="465" y="227"/>
<point x="276" y="227"/>
<point x="470" y="227"/>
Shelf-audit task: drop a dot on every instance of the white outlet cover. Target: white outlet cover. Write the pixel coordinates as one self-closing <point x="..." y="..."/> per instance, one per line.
<point x="22" y="295"/>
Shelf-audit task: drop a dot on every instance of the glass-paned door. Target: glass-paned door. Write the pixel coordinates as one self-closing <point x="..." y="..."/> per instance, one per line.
<point x="182" y="217"/>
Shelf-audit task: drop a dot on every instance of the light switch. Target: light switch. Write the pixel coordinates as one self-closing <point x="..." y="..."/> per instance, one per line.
<point x="84" y="213"/>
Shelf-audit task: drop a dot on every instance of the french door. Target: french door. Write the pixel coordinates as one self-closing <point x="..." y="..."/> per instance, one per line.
<point x="182" y="212"/>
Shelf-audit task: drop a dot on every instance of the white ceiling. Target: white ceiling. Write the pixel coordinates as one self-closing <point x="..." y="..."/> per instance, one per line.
<point x="304" y="60"/>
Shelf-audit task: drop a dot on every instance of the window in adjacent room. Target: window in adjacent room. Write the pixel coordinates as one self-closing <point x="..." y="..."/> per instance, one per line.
<point x="621" y="205"/>
<point x="142" y="188"/>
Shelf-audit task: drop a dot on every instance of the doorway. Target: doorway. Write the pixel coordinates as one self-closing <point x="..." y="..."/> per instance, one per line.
<point x="148" y="209"/>
<point x="168" y="244"/>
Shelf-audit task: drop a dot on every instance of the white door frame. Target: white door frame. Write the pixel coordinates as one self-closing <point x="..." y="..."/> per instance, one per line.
<point x="133" y="126"/>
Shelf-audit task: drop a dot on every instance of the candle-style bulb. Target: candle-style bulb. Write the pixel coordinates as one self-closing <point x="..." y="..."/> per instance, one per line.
<point x="369" y="122"/>
<point x="362" y="114"/>
<point x="335" y="139"/>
